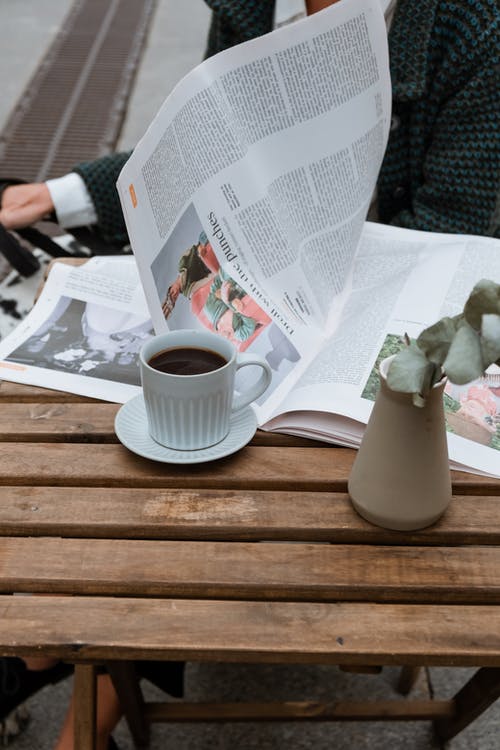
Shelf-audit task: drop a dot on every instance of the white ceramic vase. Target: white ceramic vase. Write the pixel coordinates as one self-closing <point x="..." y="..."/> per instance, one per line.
<point x="401" y="476"/>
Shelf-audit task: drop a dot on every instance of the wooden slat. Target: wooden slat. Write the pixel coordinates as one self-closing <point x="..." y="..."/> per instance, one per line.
<point x="228" y="515"/>
<point x="59" y="464"/>
<point x="75" y="420"/>
<point x="17" y="393"/>
<point x="301" y="711"/>
<point x="285" y="571"/>
<point x="56" y="422"/>
<point x="72" y="421"/>
<point x="279" y="468"/>
<point x="108" y="628"/>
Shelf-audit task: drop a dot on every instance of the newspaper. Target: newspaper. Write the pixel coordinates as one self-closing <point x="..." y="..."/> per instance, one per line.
<point x="84" y="333"/>
<point x="246" y="201"/>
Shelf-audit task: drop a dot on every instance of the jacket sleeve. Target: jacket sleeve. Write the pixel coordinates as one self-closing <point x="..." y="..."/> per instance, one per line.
<point x="456" y="186"/>
<point x="100" y="178"/>
<point x="460" y="189"/>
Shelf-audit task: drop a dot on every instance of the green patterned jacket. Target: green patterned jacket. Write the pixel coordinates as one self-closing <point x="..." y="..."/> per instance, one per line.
<point x="441" y="170"/>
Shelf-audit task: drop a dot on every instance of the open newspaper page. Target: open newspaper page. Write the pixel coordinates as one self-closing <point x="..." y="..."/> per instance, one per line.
<point x="84" y="333"/>
<point x="402" y="282"/>
<point x="246" y="198"/>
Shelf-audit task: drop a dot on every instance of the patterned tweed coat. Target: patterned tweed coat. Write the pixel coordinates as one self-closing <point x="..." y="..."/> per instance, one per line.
<point x="441" y="170"/>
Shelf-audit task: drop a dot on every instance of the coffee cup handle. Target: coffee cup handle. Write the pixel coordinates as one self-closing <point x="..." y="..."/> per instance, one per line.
<point x="243" y="399"/>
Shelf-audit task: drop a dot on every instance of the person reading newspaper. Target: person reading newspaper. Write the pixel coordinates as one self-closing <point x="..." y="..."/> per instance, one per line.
<point x="441" y="170"/>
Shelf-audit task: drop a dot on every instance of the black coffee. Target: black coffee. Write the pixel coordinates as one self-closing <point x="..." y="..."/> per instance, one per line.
<point x="187" y="361"/>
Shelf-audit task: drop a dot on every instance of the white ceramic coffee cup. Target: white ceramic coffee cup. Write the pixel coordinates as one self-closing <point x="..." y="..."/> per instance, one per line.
<point x="189" y="412"/>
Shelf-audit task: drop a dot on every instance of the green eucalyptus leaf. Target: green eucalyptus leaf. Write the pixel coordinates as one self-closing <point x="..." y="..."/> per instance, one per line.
<point x="464" y="361"/>
<point x="490" y="339"/>
<point x="484" y="299"/>
<point x="462" y="346"/>
<point x="435" y="341"/>
<point x="410" y="371"/>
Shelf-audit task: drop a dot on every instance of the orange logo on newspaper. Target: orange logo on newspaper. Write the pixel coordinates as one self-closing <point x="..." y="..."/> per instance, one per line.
<point x="133" y="196"/>
<point x="11" y="366"/>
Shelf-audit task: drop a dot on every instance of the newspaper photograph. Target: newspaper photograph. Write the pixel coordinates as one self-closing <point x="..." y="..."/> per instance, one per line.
<point x="84" y="333"/>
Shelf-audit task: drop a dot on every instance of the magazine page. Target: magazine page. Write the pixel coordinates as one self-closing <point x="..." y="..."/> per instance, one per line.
<point x="246" y="198"/>
<point x="403" y="281"/>
<point x="84" y="333"/>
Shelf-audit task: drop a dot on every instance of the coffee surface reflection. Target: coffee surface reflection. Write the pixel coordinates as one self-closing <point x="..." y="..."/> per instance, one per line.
<point x="187" y="361"/>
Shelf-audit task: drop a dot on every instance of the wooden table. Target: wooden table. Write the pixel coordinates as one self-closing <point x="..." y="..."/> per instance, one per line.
<point x="166" y="562"/>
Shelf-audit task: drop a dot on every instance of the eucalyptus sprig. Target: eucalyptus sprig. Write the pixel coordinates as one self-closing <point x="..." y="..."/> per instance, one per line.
<point x="459" y="348"/>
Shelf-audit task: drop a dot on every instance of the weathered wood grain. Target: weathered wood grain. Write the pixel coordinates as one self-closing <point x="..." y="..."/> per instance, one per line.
<point x="58" y="421"/>
<point x="301" y="711"/>
<point x="85" y="694"/>
<point x="274" y="632"/>
<point x="50" y="420"/>
<point x="237" y="570"/>
<point x="259" y="467"/>
<point x="18" y="393"/>
<point x="170" y="562"/>
<point x="228" y="515"/>
<point x="91" y="465"/>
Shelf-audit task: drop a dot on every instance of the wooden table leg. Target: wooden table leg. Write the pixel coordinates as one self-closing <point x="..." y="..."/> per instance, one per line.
<point x="85" y="689"/>
<point x="407" y="679"/>
<point x="476" y="696"/>
<point x="126" y="684"/>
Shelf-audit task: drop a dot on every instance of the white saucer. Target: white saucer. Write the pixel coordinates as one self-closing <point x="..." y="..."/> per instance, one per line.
<point x="131" y="427"/>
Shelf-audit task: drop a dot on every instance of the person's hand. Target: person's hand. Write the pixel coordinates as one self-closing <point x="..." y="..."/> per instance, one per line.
<point x="23" y="205"/>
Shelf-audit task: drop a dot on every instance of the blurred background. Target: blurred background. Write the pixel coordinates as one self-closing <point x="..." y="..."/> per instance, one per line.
<point x="81" y="78"/>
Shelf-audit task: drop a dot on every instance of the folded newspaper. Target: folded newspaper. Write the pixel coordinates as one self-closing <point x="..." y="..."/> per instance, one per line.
<point x="245" y="204"/>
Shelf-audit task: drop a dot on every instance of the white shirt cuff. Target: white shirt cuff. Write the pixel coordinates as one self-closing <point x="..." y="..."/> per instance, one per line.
<point x="72" y="201"/>
<point x="287" y="11"/>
